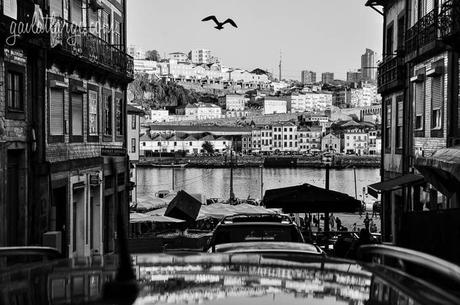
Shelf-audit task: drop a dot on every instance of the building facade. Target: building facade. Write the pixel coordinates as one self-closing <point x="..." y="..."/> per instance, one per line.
<point x="308" y="77"/>
<point x="332" y="143"/>
<point x="327" y="77"/>
<point x="70" y="160"/>
<point x="133" y="122"/>
<point x="200" y="56"/>
<point x="368" y="66"/>
<point x="274" y="105"/>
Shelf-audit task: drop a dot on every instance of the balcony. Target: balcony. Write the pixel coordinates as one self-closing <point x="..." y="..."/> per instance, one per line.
<point x="449" y="20"/>
<point x="78" y="44"/>
<point x="441" y="25"/>
<point x="391" y="74"/>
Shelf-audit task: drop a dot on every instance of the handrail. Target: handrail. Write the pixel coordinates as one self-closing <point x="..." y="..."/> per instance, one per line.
<point x="30" y="251"/>
<point x="427" y="261"/>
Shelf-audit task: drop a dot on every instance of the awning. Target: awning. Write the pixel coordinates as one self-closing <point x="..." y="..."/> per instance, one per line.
<point x="307" y="198"/>
<point x="394" y="184"/>
<point x="442" y="169"/>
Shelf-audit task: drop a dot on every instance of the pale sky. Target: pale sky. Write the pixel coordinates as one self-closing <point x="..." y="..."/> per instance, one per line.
<point x="318" y="35"/>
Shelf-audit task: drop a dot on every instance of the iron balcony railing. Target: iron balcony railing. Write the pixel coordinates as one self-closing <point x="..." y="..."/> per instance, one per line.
<point x="440" y="24"/>
<point x="391" y="73"/>
<point x="449" y="20"/>
<point x="80" y="43"/>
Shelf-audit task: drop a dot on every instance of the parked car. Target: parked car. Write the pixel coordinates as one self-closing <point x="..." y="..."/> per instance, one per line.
<point x="255" y="228"/>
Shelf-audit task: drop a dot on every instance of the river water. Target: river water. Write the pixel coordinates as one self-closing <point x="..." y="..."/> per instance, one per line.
<point x="215" y="182"/>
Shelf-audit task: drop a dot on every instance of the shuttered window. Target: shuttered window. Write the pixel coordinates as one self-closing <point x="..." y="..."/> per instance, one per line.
<point x="56" y="110"/>
<point x="92" y="113"/>
<point x="436" y="102"/>
<point x="107" y="115"/>
<point x="56" y="8"/>
<point x="76" y="11"/>
<point x="399" y="122"/>
<point x="77" y="114"/>
<point x="388" y="114"/>
<point x="119" y="118"/>
<point x="419" y="96"/>
<point x="93" y="21"/>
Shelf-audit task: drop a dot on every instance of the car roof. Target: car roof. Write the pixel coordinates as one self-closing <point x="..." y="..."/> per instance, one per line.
<point x="263" y="246"/>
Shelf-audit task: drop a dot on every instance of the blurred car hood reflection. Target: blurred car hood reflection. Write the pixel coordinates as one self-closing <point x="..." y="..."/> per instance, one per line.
<point x="212" y="279"/>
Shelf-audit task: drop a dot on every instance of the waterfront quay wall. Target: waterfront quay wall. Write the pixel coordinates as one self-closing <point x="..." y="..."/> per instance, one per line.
<point x="340" y="161"/>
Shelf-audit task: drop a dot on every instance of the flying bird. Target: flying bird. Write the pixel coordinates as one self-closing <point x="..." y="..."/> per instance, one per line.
<point x="219" y="25"/>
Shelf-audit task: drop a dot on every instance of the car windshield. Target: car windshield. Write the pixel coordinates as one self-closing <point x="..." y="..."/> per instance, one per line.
<point x="249" y="233"/>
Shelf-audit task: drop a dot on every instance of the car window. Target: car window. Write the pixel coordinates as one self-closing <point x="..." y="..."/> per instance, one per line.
<point x="233" y="234"/>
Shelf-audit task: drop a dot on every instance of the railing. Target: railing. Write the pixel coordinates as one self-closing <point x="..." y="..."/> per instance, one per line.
<point x="390" y="73"/>
<point x="423" y="32"/>
<point x="449" y="19"/>
<point x="441" y="23"/>
<point x="80" y="43"/>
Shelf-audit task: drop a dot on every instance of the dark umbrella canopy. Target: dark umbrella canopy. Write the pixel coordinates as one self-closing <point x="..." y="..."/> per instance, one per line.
<point x="307" y="198"/>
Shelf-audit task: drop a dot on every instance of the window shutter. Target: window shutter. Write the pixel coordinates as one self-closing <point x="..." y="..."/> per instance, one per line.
<point x="76" y="11"/>
<point x="419" y="98"/>
<point x="77" y="114"/>
<point x="56" y="8"/>
<point x="436" y="92"/>
<point x="399" y="100"/>
<point x="56" y="124"/>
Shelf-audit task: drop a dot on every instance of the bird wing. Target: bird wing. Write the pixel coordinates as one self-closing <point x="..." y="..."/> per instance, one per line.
<point x="231" y="22"/>
<point x="213" y="18"/>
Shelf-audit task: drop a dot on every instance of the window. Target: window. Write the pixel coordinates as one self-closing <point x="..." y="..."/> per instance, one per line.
<point x="117" y="41"/>
<point x="388" y="124"/>
<point x="389" y="40"/>
<point x="401" y="32"/>
<point x="419" y="96"/>
<point x="92" y="113"/>
<point x="15" y="90"/>
<point x="133" y="121"/>
<point x="56" y="112"/>
<point x="76" y="110"/>
<point x="436" y="102"/>
<point x="108" y="115"/>
<point x="133" y="145"/>
<point x="105" y="29"/>
<point x="399" y="122"/>
<point x="119" y="117"/>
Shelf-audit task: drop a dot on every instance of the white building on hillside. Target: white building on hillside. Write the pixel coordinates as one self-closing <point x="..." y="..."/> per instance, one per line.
<point x="274" y="105"/>
<point x="331" y="143"/>
<point x="310" y="139"/>
<point x="284" y="136"/>
<point x="200" y="56"/>
<point x="234" y="102"/>
<point x="158" y="115"/>
<point x="356" y="143"/>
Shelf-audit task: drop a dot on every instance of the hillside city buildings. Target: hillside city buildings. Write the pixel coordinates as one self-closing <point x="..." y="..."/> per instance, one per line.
<point x="311" y="134"/>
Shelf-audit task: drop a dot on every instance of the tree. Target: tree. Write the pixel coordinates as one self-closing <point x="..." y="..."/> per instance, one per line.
<point x="152" y="55"/>
<point x="208" y="147"/>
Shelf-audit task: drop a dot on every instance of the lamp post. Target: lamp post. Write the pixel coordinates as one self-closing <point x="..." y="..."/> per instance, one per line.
<point x="327" y="161"/>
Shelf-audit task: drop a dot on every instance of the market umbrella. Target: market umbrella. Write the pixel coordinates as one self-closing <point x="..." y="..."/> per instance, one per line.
<point x="307" y="198"/>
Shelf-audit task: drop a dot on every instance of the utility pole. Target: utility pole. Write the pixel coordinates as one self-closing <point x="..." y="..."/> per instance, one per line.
<point x="326" y="215"/>
<point x="232" y="195"/>
<point x="261" y="182"/>
<point x="173" y="182"/>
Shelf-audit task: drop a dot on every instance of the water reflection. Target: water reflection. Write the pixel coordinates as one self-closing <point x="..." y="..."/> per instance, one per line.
<point x="215" y="183"/>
